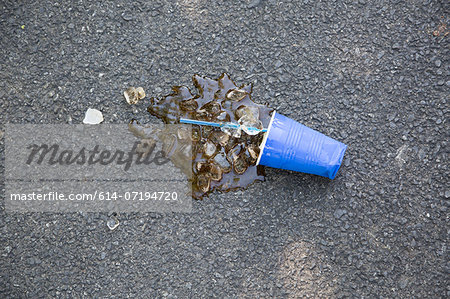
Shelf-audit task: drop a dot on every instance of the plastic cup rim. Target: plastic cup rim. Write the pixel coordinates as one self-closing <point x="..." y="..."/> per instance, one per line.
<point x="263" y="143"/>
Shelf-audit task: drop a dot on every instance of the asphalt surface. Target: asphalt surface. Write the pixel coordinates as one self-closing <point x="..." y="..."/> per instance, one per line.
<point x="372" y="74"/>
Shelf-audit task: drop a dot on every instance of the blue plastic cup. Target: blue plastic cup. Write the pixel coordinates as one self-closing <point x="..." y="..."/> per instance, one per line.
<point x="290" y="145"/>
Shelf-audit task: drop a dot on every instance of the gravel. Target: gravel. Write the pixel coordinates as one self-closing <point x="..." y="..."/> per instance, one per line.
<point x="371" y="74"/>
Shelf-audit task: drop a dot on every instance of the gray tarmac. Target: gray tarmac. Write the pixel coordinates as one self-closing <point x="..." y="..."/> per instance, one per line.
<point x="372" y="74"/>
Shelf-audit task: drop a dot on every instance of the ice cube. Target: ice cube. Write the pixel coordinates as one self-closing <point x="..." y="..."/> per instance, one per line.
<point x="183" y="133"/>
<point x="133" y="95"/>
<point x="203" y="182"/>
<point x="200" y="166"/>
<point x="140" y="93"/>
<point x="212" y="107"/>
<point x="202" y="115"/>
<point x="145" y="146"/>
<point x="93" y="117"/>
<point x="240" y="164"/>
<point x="236" y="95"/>
<point x="189" y="105"/>
<point x="169" y="144"/>
<point x="223" y="116"/>
<point x="219" y="137"/>
<point x="233" y="153"/>
<point x="209" y="149"/>
<point x="196" y="133"/>
<point x="253" y="152"/>
<point x="206" y="130"/>
<point x="236" y="133"/>
<point x="222" y="161"/>
<point x="243" y="110"/>
<point x="227" y="104"/>
<point x="215" y="172"/>
<point x="185" y="152"/>
<point x="250" y="125"/>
